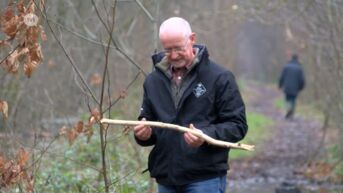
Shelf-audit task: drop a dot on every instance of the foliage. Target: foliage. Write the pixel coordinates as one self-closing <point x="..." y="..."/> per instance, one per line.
<point x="76" y="168"/>
<point x="4" y="109"/>
<point x="335" y="158"/>
<point x="15" y="171"/>
<point x="20" y="23"/>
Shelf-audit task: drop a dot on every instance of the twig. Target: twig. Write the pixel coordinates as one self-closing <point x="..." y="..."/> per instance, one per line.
<point x="207" y="138"/>
<point x="115" y="43"/>
<point x="120" y="97"/>
<point x="75" y="68"/>
<point x="145" y="10"/>
<point x="3" y="60"/>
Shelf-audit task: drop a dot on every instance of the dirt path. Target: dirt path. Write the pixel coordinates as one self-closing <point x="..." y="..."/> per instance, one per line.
<point x="280" y="157"/>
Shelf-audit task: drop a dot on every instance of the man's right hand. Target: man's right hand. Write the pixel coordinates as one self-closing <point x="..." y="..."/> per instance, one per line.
<point x="142" y="132"/>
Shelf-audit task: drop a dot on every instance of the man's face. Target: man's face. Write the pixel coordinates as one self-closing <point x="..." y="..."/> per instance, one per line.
<point x="178" y="49"/>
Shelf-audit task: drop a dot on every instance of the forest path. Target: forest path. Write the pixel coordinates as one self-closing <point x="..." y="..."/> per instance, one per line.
<point x="292" y="143"/>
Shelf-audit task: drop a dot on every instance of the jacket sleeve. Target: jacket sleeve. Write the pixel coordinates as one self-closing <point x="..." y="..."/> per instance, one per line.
<point x="282" y="77"/>
<point x="231" y="122"/>
<point x="302" y="80"/>
<point x="147" y="113"/>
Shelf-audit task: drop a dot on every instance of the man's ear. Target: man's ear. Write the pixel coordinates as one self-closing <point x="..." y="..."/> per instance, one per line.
<point x="192" y="37"/>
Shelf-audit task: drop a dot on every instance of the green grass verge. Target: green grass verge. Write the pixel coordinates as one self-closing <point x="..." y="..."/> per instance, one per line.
<point x="334" y="159"/>
<point x="258" y="131"/>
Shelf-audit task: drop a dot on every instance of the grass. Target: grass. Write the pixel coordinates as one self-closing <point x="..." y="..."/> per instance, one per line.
<point x="279" y="103"/>
<point x="258" y="132"/>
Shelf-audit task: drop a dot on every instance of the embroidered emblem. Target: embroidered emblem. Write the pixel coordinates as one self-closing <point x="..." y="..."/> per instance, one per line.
<point x="199" y="90"/>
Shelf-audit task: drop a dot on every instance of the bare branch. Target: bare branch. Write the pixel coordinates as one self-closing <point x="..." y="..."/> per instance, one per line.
<point x="43" y="12"/>
<point x="115" y="43"/>
<point x="207" y="138"/>
<point x="145" y="10"/>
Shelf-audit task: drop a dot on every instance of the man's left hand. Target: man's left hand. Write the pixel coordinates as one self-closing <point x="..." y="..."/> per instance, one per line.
<point x="191" y="139"/>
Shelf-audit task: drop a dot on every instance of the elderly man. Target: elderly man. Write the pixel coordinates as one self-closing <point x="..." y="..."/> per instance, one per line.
<point x="188" y="89"/>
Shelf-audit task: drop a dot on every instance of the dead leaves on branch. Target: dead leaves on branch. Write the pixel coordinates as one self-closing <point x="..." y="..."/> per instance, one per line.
<point x="15" y="171"/>
<point x="81" y="128"/>
<point x="4" y="108"/>
<point x="20" y="23"/>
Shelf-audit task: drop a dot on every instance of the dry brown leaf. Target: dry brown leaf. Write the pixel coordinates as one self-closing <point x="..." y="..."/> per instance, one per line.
<point x="35" y="53"/>
<point x="9" y="174"/>
<point x="8" y="13"/>
<point x="29" y="68"/>
<point x="22" y="51"/>
<point x="30" y="7"/>
<point x="20" y="23"/>
<point x="4" y="43"/>
<point x="22" y="157"/>
<point x="10" y="27"/>
<point x="96" y="79"/>
<point x="63" y="131"/>
<point x="2" y="163"/>
<point x="71" y="135"/>
<point x="30" y="181"/>
<point x="79" y="127"/>
<point x="123" y="94"/>
<point x="96" y="114"/>
<point x="32" y="34"/>
<point x="4" y="108"/>
<point x="14" y="172"/>
<point x="43" y="34"/>
<point x="42" y="4"/>
<point x="88" y="132"/>
<point x="21" y="7"/>
<point x="91" y="120"/>
<point x="11" y="64"/>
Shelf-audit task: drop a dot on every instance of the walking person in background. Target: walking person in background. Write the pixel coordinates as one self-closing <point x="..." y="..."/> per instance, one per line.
<point x="188" y="89"/>
<point x="292" y="81"/>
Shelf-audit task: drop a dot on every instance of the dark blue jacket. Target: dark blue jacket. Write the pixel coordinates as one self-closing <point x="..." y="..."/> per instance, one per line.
<point x="212" y="103"/>
<point x="292" y="79"/>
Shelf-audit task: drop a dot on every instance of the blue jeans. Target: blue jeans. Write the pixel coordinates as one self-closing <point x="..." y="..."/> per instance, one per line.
<point x="214" y="185"/>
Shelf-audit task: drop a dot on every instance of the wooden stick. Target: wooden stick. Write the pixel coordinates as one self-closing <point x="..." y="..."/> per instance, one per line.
<point x="207" y="138"/>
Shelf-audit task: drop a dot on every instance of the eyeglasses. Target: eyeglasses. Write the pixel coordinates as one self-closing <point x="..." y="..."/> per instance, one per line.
<point x="176" y="49"/>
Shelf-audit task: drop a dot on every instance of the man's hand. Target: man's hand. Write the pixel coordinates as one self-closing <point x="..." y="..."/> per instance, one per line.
<point x="193" y="140"/>
<point x="142" y="132"/>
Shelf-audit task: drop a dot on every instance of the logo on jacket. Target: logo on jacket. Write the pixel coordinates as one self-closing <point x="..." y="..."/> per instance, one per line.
<point x="199" y="90"/>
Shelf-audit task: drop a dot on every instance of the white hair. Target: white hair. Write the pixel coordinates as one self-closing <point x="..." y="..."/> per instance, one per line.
<point x="176" y="25"/>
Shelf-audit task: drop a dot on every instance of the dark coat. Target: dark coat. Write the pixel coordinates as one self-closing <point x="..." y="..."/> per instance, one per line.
<point x="212" y="103"/>
<point x="292" y="79"/>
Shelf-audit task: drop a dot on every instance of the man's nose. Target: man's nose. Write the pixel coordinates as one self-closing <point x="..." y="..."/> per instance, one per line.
<point x="173" y="54"/>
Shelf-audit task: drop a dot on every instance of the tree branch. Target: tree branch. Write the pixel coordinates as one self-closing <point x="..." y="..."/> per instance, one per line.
<point x="145" y="10"/>
<point x="75" y="68"/>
